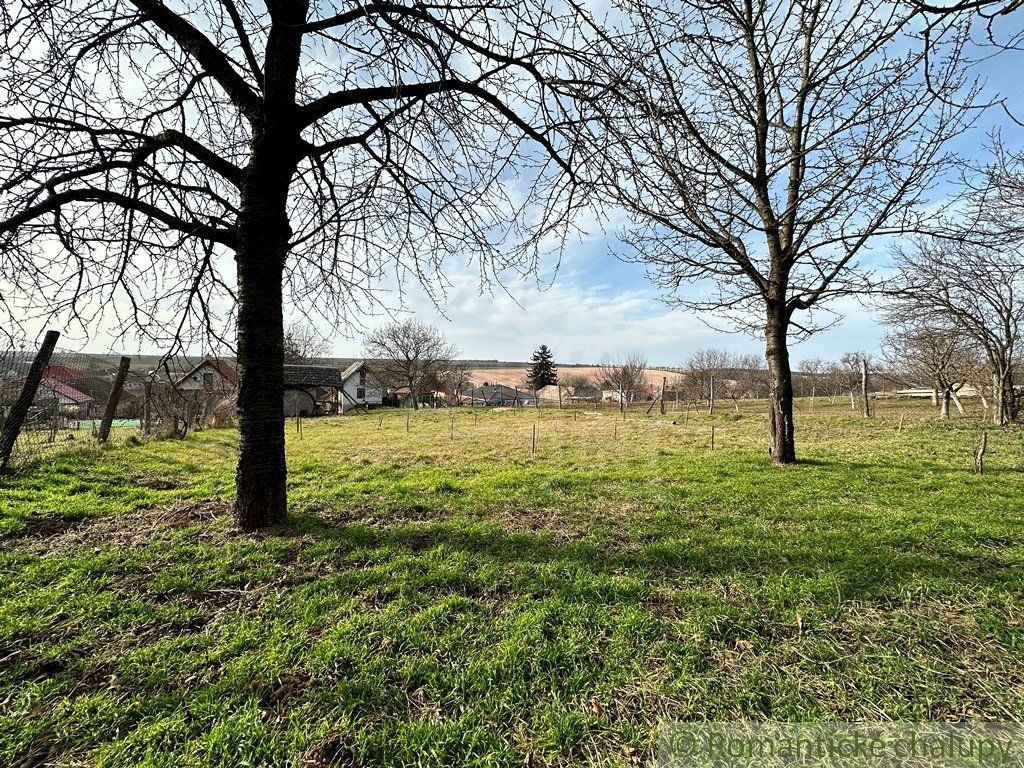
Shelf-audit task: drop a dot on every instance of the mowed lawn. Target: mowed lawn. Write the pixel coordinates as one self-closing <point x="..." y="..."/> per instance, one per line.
<point x="445" y="596"/>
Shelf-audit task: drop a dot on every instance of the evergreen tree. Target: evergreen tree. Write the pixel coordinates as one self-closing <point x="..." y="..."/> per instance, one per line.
<point x="542" y="372"/>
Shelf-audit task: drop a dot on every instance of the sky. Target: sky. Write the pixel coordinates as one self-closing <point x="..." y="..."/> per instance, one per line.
<point x="597" y="305"/>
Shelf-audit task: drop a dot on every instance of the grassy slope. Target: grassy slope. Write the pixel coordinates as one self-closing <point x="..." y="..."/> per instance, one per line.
<point x="440" y="602"/>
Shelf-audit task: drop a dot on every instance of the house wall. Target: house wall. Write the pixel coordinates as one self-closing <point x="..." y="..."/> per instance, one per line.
<point x="198" y="381"/>
<point x="372" y="393"/>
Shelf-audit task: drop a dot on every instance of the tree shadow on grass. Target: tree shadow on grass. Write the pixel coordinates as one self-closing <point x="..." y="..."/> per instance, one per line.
<point x="861" y="564"/>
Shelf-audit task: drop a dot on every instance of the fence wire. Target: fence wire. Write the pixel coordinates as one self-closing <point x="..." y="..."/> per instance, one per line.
<point x="69" y="404"/>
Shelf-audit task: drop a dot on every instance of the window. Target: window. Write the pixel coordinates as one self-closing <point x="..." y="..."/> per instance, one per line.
<point x="207" y="379"/>
<point x="362" y="377"/>
<point x="360" y="393"/>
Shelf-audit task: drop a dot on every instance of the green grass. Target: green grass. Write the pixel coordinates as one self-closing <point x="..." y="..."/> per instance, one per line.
<point x="439" y="601"/>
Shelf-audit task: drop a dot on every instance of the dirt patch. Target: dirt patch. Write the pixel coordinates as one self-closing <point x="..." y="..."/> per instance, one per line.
<point x="334" y="749"/>
<point x="47" y="536"/>
<point x="44" y="527"/>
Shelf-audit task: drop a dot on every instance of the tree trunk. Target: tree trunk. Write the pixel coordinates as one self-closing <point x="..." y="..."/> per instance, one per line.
<point x="780" y="391"/>
<point x="944" y="410"/>
<point x="264" y="233"/>
<point x="261" y="497"/>
<point x="1002" y="396"/>
<point x="956" y="401"/>
<point x="864" y="386"/>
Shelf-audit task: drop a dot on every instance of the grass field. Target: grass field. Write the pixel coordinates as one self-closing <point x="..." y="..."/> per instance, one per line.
<point x="448" y="597"/>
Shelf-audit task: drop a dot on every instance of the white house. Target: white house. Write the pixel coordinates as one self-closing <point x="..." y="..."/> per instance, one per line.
<point x="211" y="375"/>
<point x="359" y="387"/>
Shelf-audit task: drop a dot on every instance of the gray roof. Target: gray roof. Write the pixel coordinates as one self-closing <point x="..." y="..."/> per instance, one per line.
<point x="312" y="376"/>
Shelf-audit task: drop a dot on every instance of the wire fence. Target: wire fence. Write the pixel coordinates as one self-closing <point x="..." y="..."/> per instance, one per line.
<point x="81" y="400"/>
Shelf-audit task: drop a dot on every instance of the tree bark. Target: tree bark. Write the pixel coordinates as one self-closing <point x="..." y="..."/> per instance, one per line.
<point x="780" y="391"/>
<point x="263" y="240"/>
<point x="944" y="410"/>
<point x="864" y="386"/>
<point x="260" y="481"/>
<point x="1002" y="396"/>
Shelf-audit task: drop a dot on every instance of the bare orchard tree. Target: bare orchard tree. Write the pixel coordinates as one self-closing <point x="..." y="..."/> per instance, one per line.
<point x="410" y="353"/>
<point x="938" y="355"/>
<point x="625" y="373"/>
<point x="979" y="290"/>
<point x="812" y="371"/>
<point x="705" y="370"/>
<point x="759" y="145"/>
<point x="303" y="344"/>
<point x="849" y="369"/>
<point x="201" y="162"/>
<point x="457" y="379"/>
<point x="573" y="381"/>
<point x="749" y="377"/>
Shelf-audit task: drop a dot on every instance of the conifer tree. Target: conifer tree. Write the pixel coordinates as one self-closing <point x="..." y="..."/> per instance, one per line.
<point x="542" y="372"/>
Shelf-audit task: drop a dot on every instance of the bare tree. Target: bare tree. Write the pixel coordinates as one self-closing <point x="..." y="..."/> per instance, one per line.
<point x="939" y="356"/>
<point x="625" y="373"/>
<point x="303" y="344"/>
<point x="456" y="379"/>
<point x="849" y="370"/>
<point x="812" y="371"/>
<point x="201" y="162"/>
<point x="760" y="145"/>
<point x="411" y="353"/>
<point x="979" y="290"/>
<point x="705" y="371"/>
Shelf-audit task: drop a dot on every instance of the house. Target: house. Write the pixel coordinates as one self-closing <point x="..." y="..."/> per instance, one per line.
<point x="69" y="399"/>
<point x="311" y="390"/>
<point x="211" y="376"/>
<point x="359" y="387"/>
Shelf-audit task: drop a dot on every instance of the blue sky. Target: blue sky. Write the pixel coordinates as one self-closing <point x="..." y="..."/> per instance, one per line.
<point x="599" y="305"/>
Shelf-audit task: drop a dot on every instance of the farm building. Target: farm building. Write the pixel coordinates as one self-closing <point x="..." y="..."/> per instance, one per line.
<point x="73" y="401"/>
<point x="500" y="395"/>
<point x="311" y="390"/>
<point x="360" y="388"/>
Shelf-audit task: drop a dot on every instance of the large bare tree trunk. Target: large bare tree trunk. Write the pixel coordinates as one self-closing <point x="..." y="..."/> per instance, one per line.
<point x="780" y="391"/>
<point x="263" y="240"/>
<point x="944" y="410"/>
<point x="260" y="498"/>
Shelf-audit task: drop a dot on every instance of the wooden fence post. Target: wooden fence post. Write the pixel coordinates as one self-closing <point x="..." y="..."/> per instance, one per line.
<point x="533" y="448"/>
<point x="664" y="383"/>
<point x="16" y="418"/>
<point x="712" y="437"/>
<point x="115" y="395"/>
